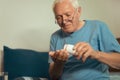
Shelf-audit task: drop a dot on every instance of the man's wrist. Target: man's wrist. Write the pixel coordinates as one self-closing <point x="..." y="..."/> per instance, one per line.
<point x="98" y="54"/>
<point x="59" y="63"/>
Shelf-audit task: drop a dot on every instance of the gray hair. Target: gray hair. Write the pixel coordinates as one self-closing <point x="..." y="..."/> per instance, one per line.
<point x="73" y="2"/>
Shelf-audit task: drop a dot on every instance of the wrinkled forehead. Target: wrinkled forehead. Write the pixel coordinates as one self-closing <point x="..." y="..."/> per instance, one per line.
<point x="63" y="6"/>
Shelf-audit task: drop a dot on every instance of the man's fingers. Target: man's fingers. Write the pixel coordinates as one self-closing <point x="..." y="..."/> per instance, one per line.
<point x="51" y="53"/>
<point x="85" y="56"/>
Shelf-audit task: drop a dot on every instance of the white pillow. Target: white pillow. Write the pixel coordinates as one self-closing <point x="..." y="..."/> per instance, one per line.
<point x="29" y="78"/>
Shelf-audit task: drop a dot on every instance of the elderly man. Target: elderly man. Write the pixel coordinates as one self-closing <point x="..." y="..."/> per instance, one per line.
<point x="80" y="49"/>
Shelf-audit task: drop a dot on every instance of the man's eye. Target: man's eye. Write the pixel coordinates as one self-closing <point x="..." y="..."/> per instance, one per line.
<point x="58" y="17"/>
<point x="68" y="15"/>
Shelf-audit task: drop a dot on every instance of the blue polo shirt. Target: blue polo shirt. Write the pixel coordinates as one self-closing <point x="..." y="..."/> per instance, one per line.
<point x="97" y="34"/>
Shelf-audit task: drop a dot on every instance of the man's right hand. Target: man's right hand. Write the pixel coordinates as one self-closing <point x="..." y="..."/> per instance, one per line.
<point x="59" y="56"/>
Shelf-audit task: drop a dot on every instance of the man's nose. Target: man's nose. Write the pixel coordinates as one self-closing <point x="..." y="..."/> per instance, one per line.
<point x="65" y="19"/>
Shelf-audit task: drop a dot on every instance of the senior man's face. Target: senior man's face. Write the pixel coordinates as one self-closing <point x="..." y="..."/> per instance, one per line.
<point x="67" y="16"/>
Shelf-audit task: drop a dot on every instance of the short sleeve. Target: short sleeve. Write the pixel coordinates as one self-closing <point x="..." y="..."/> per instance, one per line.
<point x="52" y="47"/>
<point x="52" y="44"/>
<point x="107" y="41"/>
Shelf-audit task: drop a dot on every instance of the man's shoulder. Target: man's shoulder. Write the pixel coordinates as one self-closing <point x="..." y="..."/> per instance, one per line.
<point x="96" y="23"/>
<point x="57" y="32"/>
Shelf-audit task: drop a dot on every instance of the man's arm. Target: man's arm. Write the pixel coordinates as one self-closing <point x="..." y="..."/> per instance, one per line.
<point x="84" y="50"/>
<point x="112" y="59"/>
<point x="55" y="70"/>
<point x="59" y="58"/>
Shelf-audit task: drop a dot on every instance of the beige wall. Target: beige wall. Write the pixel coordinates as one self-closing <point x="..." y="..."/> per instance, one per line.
<point x="105" y="10"/>
<point x="26" y="23"/>
<point x="29" y="23"/>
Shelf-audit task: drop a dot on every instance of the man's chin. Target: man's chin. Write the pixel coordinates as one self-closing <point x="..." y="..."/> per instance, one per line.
<point x="68" y="30"/>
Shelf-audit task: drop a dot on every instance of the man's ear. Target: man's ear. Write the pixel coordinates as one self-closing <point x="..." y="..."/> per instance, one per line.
<point x="79" y="10"/>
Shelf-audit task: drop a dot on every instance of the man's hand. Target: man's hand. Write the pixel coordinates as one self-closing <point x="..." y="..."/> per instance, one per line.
<point x="59" y="56"/>
<point x="84" y="50"/>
